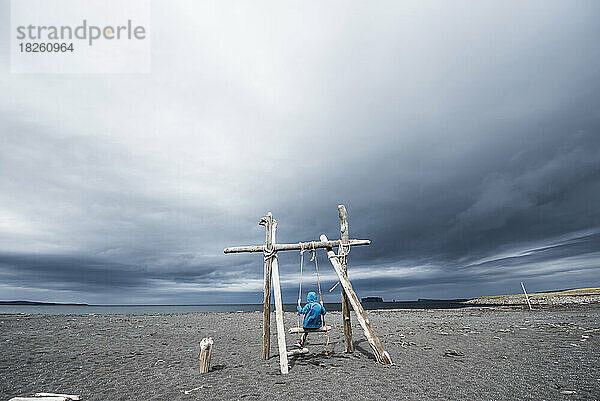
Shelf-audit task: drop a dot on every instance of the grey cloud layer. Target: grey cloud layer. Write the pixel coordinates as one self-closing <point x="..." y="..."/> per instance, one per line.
<point x="453" y="133"/>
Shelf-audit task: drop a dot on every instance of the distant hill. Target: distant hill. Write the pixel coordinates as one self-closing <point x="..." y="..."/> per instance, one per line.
<point x="36" y="303"/>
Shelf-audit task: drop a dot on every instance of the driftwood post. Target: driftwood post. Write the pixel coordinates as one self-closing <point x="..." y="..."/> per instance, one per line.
<point x="283" y="360"/>
<point x="343" y="250"/>
<point x="526" y="296"/>
<point x="267" y="221"/>
<point x="381" y="355"/>
<point x="205" y="354"/>
<point x="47" y="397"/>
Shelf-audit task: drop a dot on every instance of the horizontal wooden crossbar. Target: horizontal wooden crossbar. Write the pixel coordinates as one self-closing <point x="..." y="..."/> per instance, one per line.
<point x="296" y="247"/>
<point x="301" y="330"/>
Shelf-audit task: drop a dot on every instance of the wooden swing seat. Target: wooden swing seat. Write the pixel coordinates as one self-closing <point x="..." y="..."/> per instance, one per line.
<point x="322" y="329"/>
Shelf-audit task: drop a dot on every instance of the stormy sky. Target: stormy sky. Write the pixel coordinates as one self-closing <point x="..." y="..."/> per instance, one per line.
<point x="463" y="137"/>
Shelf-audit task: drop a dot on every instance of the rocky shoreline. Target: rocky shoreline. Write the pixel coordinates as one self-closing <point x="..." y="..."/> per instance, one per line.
<point x="560" y="298"/>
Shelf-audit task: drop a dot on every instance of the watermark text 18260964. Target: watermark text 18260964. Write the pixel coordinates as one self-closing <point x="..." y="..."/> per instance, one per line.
<point x="36" y="47"/>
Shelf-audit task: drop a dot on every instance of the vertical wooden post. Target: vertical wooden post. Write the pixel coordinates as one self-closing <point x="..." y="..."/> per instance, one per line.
<point x="267" y="221"/>
<point x="343" y="250"/>
<point x="381" y="355"/>
<point x="205" y="354"/>
<point x="283" y="358"/>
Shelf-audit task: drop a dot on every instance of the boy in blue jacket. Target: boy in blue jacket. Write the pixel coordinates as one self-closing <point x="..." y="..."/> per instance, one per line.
<point x="313" y="312"/>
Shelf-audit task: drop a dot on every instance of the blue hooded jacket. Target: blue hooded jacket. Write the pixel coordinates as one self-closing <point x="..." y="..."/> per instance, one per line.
<point x="312" y="312"/>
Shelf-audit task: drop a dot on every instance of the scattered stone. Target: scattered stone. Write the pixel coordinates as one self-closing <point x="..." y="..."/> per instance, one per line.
<point x="133" y="354"/>
<point x="194" y="389"/>
<point x="452" y="352"/>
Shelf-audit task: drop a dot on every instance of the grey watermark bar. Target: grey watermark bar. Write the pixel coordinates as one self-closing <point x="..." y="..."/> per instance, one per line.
<point x="74" y="36"/>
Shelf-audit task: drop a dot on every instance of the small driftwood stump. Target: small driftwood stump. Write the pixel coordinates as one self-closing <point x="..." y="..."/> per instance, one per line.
<point x="205" y="352"/>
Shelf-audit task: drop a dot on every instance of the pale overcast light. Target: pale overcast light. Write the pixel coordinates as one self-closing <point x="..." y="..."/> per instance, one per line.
<point x="463" y="137"/>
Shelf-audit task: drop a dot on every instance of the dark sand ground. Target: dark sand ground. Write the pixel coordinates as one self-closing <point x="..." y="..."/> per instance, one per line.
<point x="508" y="354"/>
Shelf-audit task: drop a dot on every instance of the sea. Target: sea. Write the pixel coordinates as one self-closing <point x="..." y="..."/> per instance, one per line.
<point x="170" y="309"/>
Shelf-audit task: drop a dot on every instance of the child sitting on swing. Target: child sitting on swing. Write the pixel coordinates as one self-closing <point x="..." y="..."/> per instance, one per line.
<point x="313" y="312"/>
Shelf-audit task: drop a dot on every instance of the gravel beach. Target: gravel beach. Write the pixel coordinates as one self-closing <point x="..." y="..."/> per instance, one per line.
<point x="500" y="353"/>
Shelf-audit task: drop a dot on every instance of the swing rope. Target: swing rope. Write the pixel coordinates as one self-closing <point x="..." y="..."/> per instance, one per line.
<point x="314" y="256"/>
<point x="300" y="290"/>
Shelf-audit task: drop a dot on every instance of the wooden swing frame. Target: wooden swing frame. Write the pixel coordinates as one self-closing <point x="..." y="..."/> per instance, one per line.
<point x="339" y="262"/>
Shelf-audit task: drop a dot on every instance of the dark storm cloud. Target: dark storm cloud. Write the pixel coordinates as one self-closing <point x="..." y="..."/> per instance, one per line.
<point x="85" y="273"/>
<point x="550" y="264"/>
<point x="529" y="197"/>
<point x="82" y="274"/>
<point x="463" y="138"/>
<point x="64" y="272"/>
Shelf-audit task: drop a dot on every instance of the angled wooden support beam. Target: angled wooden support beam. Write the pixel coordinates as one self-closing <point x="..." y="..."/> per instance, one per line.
<point x="381" y="355"/>
<point x="343" y="250"/>
<point x="295" y="247"/>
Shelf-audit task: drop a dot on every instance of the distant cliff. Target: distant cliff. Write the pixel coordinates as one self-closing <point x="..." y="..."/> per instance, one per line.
<point x="371" y="299"/>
